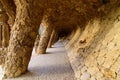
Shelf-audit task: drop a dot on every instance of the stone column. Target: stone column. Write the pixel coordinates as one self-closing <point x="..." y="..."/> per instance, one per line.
<point x="37" y="42"/>
<point x="5" y="35"/>
<point x="0" y="36"/>
<point x="51" y="39"/>
<point x="44" y="40"/>
<point x="4" y="27"/>
<point x="10" y="9"/>
<point x="38" y="38"/>
<point x="55" y="38"/>
<point x="5" y="31"/>
<point x="1" y="25"/>
<point x="22" y="37"/>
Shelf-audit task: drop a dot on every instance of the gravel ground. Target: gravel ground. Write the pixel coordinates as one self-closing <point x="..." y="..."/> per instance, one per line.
<point x="51" y="66"/>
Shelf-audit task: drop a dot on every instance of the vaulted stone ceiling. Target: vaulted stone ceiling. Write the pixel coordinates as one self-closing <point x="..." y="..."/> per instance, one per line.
<point x="67" y="13"/>
<point x="70" y="14"/>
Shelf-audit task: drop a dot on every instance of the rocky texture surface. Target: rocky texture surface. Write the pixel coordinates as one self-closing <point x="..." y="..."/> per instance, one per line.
<point x="4" y="28"/>
<point x="22" y="39"/>
<point x="44" y="40"/>
<point x="3" y="54"/>
<point x="52" y="66"/>
<point x="89" y="28"/>
<point x="94" y="52"/>
<point x="10" y="9"/>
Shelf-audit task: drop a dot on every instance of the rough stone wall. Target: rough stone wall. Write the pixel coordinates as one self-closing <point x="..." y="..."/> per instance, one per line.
<point x="94" y="52"/>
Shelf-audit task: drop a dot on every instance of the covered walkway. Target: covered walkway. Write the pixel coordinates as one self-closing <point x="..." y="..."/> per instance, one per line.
<point x="51" y="66"/>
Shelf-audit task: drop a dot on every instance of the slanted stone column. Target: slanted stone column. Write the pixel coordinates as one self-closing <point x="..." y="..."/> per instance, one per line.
<point x="38" y="38"/>
<point x="28" y="17"/>
<point x="55" y="38"/>
<point x="5" y="35"/>
<point x="10" y="9"/>
<point x="37" y="42"/>
<point x="0" y="36"/>
<point x="51" y="39"/>
<point x="4" y="28"/>
<point x="44" y="40"/>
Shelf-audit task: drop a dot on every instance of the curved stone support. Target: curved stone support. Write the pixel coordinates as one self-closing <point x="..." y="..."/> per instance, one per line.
<point x="44" y="40"/>
<point x="4" y="28"/>
<point x="5" y="35"/>
<point x="37" y="42"/>
<point x="22" y="37"/>
<point x="0" y="36"/>
<point x="51" y="39"/>
<point x="10" y="9"/>
<point x="3" y="53"/>
<point x="55" y="38"/>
